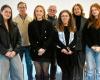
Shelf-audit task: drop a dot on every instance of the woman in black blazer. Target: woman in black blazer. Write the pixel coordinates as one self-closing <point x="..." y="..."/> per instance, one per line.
<point x="66" y="40"/>
<point x="40" y="37"/>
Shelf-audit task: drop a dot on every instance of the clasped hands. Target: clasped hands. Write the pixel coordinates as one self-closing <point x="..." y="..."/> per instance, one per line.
<point x="41" y="51"/>
<point x="10" y="54"/>
<point x="67" y="51"/>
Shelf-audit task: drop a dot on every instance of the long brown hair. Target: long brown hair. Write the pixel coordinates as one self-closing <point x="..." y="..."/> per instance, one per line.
<point x="81" y="8"/>
<point x="92" y="20"/>
<point x="60" y="25"/>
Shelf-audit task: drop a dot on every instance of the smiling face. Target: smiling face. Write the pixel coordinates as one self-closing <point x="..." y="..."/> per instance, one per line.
<point x="6" y="13"/>
<point x="77" y="10"/>
<point x="39" y="13"/>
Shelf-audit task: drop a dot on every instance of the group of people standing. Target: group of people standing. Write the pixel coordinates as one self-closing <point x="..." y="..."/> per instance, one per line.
<point x="67" y="40"/>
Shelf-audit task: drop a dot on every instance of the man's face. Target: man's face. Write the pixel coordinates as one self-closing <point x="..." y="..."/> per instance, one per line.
<point x="52" y="11"/>
<point x="22" y="9"/>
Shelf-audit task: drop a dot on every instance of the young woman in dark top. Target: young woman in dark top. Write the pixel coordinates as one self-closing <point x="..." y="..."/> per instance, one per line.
<point x="40" y="37"/>
<point x="79" y="57"/>
<point x="91" y="38"/>
<point x="66" y="40"/>
<point x="10" y="46"/>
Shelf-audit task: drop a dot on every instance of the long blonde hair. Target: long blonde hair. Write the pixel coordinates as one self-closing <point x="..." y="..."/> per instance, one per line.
<point x="44" y="16"/>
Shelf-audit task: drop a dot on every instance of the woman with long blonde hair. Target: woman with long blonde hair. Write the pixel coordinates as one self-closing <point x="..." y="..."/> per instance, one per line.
<point x="40" y="37"/>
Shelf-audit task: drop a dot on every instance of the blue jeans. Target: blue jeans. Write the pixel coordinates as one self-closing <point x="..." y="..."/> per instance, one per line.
<point x="12" y="66"/>
<point x="93" y="64"/>
<point x="28" y="62"/>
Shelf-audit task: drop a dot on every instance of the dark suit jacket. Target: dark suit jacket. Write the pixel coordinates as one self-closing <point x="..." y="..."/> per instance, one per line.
<point x="40" y="36"/>
<point x="79" y="34"/>
<point x="80" y="55"/>
<point x="63" y="60"/>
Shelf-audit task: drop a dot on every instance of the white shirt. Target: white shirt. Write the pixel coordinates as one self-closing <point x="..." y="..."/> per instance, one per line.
<point x="62" y="37"/>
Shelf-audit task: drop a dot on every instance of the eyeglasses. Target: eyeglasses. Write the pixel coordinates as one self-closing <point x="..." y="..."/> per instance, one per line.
<point x="64" y="16"/>
<point x="21" y="7"/>
<point x="52" y="10"/>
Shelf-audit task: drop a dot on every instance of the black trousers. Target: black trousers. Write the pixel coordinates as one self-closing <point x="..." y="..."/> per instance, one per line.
<point x="79" y="63"/>
<point x="66" y="64"/>
<point x="53" y="67"/>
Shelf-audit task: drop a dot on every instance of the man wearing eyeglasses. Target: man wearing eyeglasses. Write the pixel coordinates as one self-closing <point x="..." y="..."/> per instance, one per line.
<point x="51" y="16"/>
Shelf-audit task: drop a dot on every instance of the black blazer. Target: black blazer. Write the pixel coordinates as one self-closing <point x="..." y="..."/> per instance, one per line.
<point x="79" y="34"/>
<point x="72" y="45"/>
<point x="63" y="60"/>
<point x="40" y="36"/>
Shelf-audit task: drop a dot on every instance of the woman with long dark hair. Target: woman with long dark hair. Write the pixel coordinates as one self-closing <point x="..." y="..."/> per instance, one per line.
<point x="10" y="46"/>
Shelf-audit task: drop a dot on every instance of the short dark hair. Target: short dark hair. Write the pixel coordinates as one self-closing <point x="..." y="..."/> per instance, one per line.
<point x="21" y="3"/>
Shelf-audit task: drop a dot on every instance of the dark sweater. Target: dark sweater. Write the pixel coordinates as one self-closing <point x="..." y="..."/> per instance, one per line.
<point x="91" y="36"/>
<point x="53" y="20"/>
<point x="78" y="22"/>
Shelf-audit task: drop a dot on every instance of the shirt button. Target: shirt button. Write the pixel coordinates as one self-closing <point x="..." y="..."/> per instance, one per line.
<point x="37" y="42"/>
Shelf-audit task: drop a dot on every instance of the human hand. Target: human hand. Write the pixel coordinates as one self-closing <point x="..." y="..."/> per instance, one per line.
<point x="41" y="51"/>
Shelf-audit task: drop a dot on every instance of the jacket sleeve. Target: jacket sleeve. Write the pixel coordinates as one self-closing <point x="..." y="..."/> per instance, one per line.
<point x="18" y="46"/>
<point x="2" y="49"/>
<point x="85" y="37"/>
<point x="32" y="34"/>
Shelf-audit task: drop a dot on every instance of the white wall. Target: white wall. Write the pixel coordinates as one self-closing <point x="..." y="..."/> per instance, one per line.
<point x="61" y="4"/>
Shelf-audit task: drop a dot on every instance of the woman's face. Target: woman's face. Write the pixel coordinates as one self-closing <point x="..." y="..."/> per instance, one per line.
<point x="6" y="13"/>
<point x="65" y="18"/>
<point x="95" y="12"/>
<point x="77" y="11"/>
<point x="39" y="12"/>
